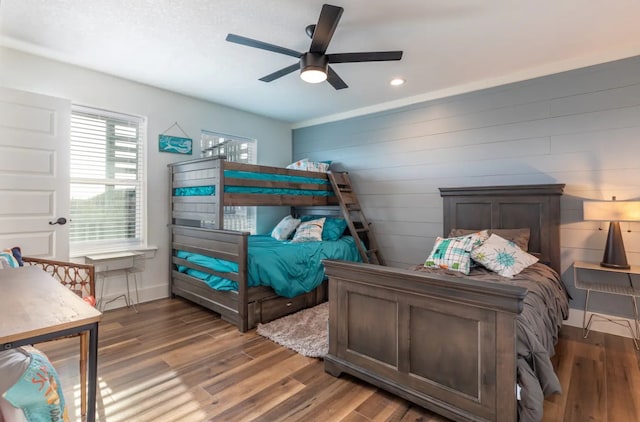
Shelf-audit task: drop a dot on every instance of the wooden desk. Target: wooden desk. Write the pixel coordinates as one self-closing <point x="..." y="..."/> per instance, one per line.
<point x="34" y="308"/>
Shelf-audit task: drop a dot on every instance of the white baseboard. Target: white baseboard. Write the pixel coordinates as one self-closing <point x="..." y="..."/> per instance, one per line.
<point x="601" y="324"/>
<point x="146" y="294"/>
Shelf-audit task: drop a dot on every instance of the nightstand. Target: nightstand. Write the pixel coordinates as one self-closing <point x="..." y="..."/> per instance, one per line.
<point x="130" y="263"/>
<point x="620" y="283"/>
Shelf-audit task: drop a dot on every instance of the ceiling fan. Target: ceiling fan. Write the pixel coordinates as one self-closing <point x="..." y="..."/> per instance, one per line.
<point x="314" y="64"/>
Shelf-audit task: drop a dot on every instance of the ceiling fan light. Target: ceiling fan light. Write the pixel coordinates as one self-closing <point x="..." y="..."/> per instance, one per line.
<point x="313" y="67"/>
<point x="313" y="76"/>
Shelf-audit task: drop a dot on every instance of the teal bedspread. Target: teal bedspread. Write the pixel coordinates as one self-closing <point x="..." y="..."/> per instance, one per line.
<point x="289" y="268"/>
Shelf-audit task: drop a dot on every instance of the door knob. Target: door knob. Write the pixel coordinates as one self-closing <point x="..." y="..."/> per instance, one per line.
<point x="61" y="220"/>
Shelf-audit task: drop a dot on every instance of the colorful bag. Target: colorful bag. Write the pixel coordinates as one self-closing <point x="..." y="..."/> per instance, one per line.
<point x="38" y="392"/>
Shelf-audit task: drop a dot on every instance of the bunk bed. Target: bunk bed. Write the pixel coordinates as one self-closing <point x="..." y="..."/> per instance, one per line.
<point x="199" y="191"/>
<point x="457" y="345"/>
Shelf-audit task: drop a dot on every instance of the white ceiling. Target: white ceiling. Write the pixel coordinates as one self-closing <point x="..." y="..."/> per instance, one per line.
<point x="450" y="46"/>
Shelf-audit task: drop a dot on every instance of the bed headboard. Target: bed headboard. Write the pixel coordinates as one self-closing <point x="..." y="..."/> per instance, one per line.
<point x="509" y="207"/>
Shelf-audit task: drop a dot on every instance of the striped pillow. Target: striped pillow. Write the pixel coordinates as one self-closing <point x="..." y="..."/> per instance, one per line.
<point x="309" y="231"/>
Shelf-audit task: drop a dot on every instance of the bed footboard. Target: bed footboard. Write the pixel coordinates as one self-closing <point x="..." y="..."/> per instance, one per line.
<point x="446" y="344"/>
<point x="223" y="244"/>
<point x="247" y="306"/>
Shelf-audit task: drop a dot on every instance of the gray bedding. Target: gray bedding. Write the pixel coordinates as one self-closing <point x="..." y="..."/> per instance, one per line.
<point x="545" y="306"/>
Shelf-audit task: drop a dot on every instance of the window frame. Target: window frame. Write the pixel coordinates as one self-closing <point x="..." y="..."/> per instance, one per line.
<point x="85" y="247"/>
<point x="211" y="148"/>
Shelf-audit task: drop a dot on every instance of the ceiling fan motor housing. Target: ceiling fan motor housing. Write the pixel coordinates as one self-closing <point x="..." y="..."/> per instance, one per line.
<point x="314" y="61"/>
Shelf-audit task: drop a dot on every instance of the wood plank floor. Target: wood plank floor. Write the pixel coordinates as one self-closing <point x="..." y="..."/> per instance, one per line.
<point x="175" y="361"/>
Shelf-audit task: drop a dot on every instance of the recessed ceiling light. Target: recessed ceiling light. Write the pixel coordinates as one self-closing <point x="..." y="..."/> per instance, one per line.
<point x="396" y="81"/>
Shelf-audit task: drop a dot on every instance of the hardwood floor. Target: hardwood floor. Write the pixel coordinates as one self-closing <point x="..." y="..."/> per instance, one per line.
<point x="175" y="361"/>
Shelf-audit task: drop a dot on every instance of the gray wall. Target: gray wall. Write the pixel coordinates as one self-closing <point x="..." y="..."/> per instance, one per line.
<point x="581" y="128"/>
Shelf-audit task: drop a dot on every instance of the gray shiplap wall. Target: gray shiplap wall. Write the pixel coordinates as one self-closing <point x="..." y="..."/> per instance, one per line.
<point x="581" y="128"/>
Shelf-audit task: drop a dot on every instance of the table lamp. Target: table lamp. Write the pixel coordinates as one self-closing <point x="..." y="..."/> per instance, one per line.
<point x="614" y="212"/>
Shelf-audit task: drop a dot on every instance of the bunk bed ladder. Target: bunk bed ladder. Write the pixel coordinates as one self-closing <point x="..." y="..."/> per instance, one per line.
<point x="358" y="225"/>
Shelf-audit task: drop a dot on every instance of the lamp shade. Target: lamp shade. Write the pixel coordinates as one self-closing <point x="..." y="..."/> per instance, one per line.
<point x="611" y="210"/>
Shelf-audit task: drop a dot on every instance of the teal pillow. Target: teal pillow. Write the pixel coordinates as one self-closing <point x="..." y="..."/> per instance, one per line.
<point x="333" y="227"/>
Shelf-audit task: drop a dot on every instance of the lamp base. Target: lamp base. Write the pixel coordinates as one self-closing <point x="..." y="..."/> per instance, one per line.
<point x="615" y="266"/>
<point x="614" y="253"/>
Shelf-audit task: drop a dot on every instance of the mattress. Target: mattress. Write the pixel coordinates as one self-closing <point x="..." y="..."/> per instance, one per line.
<point x="290" y="269"/>
<point x="246" y="175"/>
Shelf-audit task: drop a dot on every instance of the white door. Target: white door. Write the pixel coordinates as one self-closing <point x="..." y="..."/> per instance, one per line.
<point x="34" y="173"/>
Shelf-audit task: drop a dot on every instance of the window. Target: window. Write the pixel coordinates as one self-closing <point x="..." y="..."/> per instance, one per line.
<point x="236" y="149"/>
<point x="107" y="181"/>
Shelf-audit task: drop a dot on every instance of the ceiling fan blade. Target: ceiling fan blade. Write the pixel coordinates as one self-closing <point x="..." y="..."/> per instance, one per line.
<point x="238" y="39"/>
<point x="335" y="80"/>
<point x="280" y="73"/>
<point x="326" y="26"/>
<point x="374" y="56"/>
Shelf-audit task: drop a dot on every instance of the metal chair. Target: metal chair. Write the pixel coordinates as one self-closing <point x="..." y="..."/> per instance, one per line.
<point x="79" y="278"/>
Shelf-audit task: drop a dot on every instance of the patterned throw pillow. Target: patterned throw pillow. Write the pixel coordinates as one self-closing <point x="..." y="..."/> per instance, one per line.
<point x="305" y="164"/>
<point x="285" y="228"/>
<point x="453" y="253"/>
<point x="502" y="256"/>
<point x="17" y="254"/>
<point x="519" y="236"/>
<point x="309" y="231"/>
<point x="7" y="260"/>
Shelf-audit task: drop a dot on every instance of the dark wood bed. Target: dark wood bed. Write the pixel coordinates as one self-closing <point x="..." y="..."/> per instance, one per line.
<point x="445" y="343"/>
<point x="197" y="226"/>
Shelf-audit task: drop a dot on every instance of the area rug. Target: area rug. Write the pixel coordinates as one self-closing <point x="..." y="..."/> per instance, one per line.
<point x="306" y="331"/>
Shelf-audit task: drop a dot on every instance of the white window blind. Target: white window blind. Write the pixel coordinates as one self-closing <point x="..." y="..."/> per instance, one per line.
<point x="107" y="181"/>
<point x="239" y="150"/>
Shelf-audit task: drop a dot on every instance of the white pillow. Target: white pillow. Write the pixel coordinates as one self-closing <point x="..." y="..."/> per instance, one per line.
<point x="309" y="231"/>
<point x="298" y="165"/>
<point x="502" y="256"/>
<point x="285" y="228"/>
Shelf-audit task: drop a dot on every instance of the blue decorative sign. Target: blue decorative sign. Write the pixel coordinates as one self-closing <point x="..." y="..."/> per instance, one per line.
<point x="175" y="144"/>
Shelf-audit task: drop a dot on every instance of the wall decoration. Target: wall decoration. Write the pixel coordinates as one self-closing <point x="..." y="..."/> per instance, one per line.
<point x="175" y="144"/>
